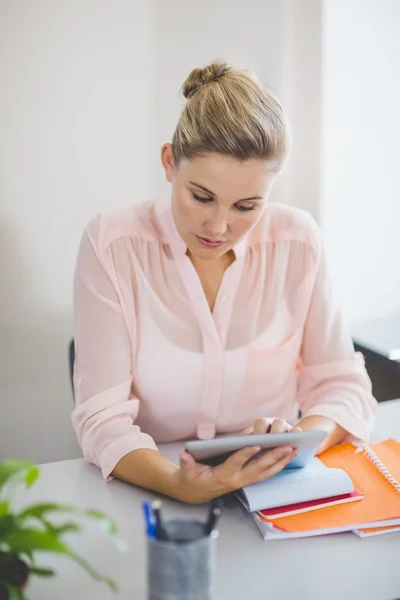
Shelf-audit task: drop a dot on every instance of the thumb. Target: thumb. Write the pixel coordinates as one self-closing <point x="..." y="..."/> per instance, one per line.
<point x="186" y="462"/>
<point x="239" y="458"/>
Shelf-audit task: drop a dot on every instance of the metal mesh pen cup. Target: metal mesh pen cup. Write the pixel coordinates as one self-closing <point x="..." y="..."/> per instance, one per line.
<point x="182" y="568"/>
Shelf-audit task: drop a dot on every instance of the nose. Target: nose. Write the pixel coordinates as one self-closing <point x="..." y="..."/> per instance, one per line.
<point x="217" y="225"/>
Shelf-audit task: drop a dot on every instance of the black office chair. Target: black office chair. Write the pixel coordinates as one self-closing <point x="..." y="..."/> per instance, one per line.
<point x="71" y="359"/>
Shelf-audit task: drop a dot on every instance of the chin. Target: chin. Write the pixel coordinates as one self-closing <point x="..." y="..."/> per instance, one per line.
<point x="208" y="254"/>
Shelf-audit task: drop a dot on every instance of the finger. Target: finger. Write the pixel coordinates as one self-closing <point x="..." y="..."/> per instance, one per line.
<point x="296" y="429"/>
<point x="276" y="467"/>
<point x="258" y="465"/>
<point x="248" y="431"/>
<point x="265" y="473"/>
<point x="236" y="461"/>
<point x="280" y="426"/>
<point x="262" y="425"/>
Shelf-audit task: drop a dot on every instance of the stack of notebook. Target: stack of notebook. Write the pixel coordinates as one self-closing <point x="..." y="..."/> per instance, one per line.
<point x="348" y="488"/>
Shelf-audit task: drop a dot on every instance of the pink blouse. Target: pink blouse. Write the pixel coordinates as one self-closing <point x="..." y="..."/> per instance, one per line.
<point x="154" y="364"/>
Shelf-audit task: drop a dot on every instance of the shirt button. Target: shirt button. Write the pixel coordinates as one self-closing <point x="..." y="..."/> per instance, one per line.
<point x="224" y="299"/>
<point x="206" y="431"/>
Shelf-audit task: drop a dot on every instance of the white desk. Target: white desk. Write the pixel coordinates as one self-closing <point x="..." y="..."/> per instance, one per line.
<point x="330" y="567"/>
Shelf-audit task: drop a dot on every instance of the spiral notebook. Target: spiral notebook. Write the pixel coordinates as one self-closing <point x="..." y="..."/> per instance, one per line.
<point x="375" y="471"/>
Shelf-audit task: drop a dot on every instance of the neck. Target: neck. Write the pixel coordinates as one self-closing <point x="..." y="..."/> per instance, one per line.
<point x="223" y="261"/>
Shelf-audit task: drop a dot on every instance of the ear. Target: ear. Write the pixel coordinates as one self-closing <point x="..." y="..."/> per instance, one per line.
<point x="167" y="159"/>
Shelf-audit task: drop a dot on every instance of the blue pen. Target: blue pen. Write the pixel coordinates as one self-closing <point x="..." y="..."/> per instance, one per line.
<point x="161" y="530"/>
<point x="149" y="519"/>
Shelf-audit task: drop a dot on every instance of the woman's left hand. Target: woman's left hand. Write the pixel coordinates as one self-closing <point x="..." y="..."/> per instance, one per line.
<point x="270" y="425"/>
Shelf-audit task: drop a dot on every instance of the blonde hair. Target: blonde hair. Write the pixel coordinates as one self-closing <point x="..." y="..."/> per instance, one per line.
<point x="229" y="112"/>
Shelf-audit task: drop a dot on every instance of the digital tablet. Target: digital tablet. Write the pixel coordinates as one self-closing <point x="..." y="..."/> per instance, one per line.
<point x="215" y="451"/>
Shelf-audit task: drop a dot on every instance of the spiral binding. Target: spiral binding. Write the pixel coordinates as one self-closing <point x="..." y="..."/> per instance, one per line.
<point x="370" y="454"/>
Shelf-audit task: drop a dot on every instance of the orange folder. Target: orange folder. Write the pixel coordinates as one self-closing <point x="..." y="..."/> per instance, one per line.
<point x="378" y="530"/>
<point x="381" y="498"/>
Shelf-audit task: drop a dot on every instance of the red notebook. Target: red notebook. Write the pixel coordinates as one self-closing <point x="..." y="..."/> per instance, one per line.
<point x="302" y="507"/>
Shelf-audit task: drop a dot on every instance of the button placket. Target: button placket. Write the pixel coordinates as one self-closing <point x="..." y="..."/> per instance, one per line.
<point x="213" y="326"/>
<point x="213" y="353"/>
<point x="225" y="299"/>
<point x="211" y="397"/>
<point x="206" y="430"/>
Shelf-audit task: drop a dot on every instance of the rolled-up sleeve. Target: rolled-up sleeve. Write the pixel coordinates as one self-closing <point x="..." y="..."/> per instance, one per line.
<point x="333" y="381"/>
<point x="105" y="411"/>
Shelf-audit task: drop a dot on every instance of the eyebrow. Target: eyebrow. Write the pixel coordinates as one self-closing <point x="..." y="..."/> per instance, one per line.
<point x="212" y="193"/>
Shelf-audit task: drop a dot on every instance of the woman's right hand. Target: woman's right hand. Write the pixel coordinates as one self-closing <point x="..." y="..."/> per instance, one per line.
<point x="197" y="483"/>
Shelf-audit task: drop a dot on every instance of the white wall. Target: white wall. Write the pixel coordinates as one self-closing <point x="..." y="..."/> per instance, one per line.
<point x="77" y="136"/>
<point x="360" y="193"/>
<point x="301" y="96"/>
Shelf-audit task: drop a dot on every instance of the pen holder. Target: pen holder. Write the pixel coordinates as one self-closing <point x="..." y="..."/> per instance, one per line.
<point x="182" y="568"/>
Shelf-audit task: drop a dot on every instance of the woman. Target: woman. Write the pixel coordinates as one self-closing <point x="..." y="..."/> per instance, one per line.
<point x="212" y="312"/>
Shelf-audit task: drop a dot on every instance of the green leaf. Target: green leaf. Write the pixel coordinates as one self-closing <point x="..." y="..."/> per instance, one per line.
<point x="14" y="593"/>
<point x="92" y="572"/>
<point x="7" y="524"/>
<point x="31" y="540"/>
<point x="109" y="527"/>
<point x="27" y="540"/>
<point x="42" y="572"/>
<point x="29" y="556"/>
<point x="4" y="508"/>
<point x="59" y="530"/>
<point x="106" y="524"/>
<point x="38" y="511"/>
<point x="12" y="468"/>
<point x="31" y="475"/>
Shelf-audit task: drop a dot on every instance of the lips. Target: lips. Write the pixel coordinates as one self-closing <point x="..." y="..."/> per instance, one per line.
<point x="210" y="243"/>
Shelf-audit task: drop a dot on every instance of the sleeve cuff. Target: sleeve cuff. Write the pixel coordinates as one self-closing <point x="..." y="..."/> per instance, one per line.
<point x="113" y="453"/>
<point x="356" y="427"/>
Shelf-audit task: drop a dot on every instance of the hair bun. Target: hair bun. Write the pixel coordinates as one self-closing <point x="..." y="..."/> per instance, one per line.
<point x="199" y="77"/>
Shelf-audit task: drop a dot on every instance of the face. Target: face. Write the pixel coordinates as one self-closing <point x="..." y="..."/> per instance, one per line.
<point x="216" y="200"/>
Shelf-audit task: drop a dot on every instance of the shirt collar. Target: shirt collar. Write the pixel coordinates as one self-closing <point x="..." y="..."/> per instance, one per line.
<point x="174" y="240"/>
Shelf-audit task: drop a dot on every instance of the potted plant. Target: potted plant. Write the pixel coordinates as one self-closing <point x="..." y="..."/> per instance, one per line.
<point x="25" y="532"/>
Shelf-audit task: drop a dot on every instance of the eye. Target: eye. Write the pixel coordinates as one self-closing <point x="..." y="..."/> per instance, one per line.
<point x="201" y="198"/>
<point x="244" y="208"/>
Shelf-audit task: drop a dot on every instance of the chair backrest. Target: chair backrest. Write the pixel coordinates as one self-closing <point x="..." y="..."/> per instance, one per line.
<point x="71" y="359"/>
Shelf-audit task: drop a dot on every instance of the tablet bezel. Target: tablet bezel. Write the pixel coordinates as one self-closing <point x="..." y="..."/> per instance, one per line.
<point x="307" y="443"/>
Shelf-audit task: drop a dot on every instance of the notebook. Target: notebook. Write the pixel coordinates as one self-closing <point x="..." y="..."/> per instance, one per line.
<point x="312" y="482"/>
<point x="270" y="532"/>
<point x="376" y="531"/>
<point x="301" y="507"/>
<point x="375" y="471"/>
